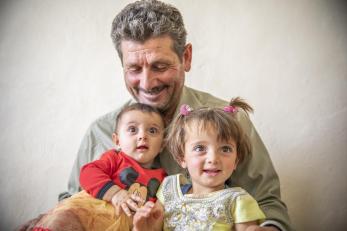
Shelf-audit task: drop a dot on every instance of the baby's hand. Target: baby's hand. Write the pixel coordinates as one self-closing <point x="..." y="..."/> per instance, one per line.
<point x="128" y="202"/>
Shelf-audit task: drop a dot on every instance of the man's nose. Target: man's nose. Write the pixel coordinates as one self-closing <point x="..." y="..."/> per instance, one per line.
<point x="147" y="80"/>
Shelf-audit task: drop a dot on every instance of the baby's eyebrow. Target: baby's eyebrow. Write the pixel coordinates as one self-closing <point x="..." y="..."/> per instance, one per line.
<point x="156" y="125"/>
<point x="131" y="123"/>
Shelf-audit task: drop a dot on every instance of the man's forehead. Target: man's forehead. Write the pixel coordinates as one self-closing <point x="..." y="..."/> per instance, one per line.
<point x="162" y="41"/>
<point x="148" y="56"/>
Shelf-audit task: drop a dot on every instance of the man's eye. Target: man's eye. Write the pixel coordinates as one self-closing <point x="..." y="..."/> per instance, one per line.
<point x="153" y="130"/>
<point x="199" y="148"/>
<point x="134" y="69"/>
<point x="160" y="67"/>
<point x="132" y="129"/>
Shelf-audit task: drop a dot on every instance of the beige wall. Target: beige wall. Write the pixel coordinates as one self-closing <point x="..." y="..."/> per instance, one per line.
<point x="59" y="71"/>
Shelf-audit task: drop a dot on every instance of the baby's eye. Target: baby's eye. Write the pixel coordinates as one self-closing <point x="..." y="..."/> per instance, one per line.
<point x="199" y="148"/>
<point x="132" y="129"/>
<point x="227" y="149"/>
<point x="153" y="130"/>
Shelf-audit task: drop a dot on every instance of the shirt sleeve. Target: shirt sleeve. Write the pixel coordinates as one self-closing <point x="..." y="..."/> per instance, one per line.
<point x="96" y="176"/>
<point x="258" y="177"/>
<point x="160" y="195"/>
<point x="246" y="209"/>
<point x="96" y="141"/>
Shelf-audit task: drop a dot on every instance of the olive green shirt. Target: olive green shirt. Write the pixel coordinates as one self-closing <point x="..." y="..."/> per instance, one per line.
<point x="256" y="175"/>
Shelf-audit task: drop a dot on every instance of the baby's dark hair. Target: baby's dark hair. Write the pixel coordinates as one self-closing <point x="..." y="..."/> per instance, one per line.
<point x="226" y="124"/>
<point x="137" y="107"/>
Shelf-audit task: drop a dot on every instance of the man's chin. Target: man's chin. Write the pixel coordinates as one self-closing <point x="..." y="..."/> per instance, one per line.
<point x="156" y="104"/>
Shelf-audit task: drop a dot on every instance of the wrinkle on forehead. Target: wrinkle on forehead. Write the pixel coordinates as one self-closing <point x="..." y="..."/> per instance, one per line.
<point x="151" y="51"/>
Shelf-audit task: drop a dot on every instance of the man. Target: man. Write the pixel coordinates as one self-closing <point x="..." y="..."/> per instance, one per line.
<point x="150" y="39"/>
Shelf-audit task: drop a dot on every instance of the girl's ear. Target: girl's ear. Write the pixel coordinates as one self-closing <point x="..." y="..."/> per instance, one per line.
<point x="163" y="144"/>
<point x="236" y="163"/>
<point x="182" y="163"/>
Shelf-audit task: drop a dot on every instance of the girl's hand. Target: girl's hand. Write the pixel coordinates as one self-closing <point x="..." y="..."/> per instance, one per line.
<point x="149" y="217"/>
<point x="128" y="202"/>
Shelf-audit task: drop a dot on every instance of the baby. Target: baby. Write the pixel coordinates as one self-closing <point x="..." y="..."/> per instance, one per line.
<point x="120" y="182"/>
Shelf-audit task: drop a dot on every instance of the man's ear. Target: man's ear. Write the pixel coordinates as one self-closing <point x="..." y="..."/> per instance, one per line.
<point x="115" y="139"/>
<point x="187" y="57"/>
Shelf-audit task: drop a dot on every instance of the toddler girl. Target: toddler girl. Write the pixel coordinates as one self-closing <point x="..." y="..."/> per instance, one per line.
<point x="209" y="144"/>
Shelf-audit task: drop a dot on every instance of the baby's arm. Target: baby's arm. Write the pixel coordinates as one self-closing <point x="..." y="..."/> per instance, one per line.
<point x="149" y="217"/>
<point x="121" y="198"/>
<point x="96" y="179"/>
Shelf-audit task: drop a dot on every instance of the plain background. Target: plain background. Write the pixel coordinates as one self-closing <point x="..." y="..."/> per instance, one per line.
<point x="59" y="71"/>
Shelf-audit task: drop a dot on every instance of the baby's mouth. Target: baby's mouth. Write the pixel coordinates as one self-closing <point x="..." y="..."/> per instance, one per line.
<point x="142" y="147"/>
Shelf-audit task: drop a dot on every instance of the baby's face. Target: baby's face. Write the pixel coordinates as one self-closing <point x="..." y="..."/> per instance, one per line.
<point x="140" y="136"/>
<point x="210" y="162"/>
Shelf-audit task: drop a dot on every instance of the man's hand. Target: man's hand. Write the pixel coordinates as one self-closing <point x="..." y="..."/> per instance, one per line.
<point x="128" y="202"/>
<point x="149" y="217"/>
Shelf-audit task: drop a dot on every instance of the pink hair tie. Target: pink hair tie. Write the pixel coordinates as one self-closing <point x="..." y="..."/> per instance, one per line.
<point x="230" y="109"/>
<point x="185" y="109"/>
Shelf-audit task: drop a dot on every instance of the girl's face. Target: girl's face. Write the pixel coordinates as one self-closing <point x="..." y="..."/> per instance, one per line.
<point x="209" y="162"/>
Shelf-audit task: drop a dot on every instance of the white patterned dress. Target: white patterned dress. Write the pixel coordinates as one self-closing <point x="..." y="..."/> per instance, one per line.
<point x="219" y="210"/>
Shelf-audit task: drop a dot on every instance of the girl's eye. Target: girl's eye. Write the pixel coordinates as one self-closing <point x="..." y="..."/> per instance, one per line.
<point x="153" y="130"/>
<point x="227" y="149"/>
<point x="199" y="148"/>
<point x="132" y="129"/>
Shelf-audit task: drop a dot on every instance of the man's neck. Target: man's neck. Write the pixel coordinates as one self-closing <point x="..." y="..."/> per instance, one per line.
<point x="169" y="114"/>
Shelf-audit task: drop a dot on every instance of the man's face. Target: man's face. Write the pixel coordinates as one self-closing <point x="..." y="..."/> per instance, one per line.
<point x="153" y="72"/>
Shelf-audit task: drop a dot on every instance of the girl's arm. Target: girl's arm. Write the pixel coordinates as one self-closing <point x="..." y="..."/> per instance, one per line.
<point x="246" y="226"/>
<point x="149" y="217"/>
<point x="252" y="226"/>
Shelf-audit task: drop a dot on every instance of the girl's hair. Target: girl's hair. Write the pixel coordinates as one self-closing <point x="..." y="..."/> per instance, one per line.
<point x="225" y="124"/>
<point x="137" y="107"/>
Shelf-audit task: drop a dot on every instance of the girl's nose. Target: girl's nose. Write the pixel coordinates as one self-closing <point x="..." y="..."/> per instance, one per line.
<point x="212" y="157"/>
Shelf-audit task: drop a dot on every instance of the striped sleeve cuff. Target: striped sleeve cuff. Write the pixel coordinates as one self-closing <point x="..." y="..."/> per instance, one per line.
<point x="104" y="189"/>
